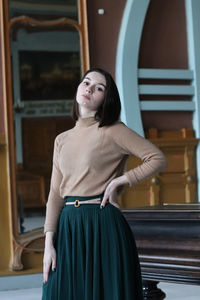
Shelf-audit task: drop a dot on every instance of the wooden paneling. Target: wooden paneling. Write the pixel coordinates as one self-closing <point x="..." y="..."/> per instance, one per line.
<point x="178" y="183"/>
<point x="33" y="177"/>
<point x="30" y="190"/>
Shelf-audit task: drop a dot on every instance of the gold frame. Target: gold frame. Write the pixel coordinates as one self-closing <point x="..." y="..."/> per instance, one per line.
<point x="30" y="242"/>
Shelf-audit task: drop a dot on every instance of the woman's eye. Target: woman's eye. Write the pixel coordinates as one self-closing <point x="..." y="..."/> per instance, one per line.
<point x="85" y="82"/>
<point x="99" y="89"/>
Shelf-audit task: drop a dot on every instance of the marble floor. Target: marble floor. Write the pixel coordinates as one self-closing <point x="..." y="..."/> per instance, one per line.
<point x="14" y="289"/>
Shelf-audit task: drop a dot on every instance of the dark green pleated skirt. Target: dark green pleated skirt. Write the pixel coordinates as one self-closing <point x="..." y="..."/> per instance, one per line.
<point x="96" y="255"/>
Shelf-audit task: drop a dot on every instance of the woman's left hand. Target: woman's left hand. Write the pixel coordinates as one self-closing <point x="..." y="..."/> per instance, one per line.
<point x="110" y="194"/>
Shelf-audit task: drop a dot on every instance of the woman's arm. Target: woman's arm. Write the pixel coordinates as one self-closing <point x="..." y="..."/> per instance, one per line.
<point x="129" y="142"/>
<point x="54" y="205"/>
<point x="55" y="201"/>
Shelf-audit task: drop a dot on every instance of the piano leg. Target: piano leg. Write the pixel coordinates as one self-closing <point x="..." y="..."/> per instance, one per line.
<point x="151" y="291"/>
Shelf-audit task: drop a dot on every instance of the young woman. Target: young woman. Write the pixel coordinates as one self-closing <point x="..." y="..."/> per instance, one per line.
<point x="90" y="251"/>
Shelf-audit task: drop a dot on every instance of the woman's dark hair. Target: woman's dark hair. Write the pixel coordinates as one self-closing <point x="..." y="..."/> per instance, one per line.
<point x="109" y="111"/>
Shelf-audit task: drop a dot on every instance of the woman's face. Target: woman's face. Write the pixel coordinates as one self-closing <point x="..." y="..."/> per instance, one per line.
<point x="91" y="91"/>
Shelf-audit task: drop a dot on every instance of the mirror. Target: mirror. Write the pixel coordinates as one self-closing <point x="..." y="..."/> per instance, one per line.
<point x="44" y="9"/>
<point x="46" y="66"/>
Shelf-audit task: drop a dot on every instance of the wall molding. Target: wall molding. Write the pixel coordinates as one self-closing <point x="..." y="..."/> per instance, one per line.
<point x="192" y="8"/>
<point x="127" y="62"/>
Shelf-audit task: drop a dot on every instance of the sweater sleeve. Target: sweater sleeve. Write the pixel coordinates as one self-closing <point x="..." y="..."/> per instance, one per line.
<point x="131" y="143"/>
<point x="55" y="201"/>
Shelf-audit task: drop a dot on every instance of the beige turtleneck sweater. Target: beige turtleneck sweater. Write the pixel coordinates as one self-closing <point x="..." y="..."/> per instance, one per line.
<point x="86" y="158"/>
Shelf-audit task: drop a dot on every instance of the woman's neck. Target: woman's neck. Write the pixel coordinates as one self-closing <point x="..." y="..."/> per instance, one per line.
<point x="87" y="114"/>
<point x="84" y="112"/>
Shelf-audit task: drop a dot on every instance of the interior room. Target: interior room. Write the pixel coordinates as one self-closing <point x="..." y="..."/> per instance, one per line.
<point x="151" y="49"/>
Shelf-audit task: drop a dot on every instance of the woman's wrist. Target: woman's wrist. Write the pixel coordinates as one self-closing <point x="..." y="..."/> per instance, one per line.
<point x="121" y="180"/>
<point x="49" y="238"/>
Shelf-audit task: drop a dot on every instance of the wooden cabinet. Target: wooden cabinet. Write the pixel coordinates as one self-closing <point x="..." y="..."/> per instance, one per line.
<point x="175" y="185"/>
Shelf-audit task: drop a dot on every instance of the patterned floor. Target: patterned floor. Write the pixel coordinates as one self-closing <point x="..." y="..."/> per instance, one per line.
<point x="173" y="291"/>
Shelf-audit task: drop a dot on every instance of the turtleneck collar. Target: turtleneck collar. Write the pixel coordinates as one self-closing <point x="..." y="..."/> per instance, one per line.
<point x="85" y="122"/>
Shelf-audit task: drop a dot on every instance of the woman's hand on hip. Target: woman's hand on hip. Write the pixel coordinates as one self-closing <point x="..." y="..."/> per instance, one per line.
<point x="110" y="194"/>
<point x="49" y="260"/>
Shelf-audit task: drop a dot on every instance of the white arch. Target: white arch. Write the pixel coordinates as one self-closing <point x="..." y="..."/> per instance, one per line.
<point x="127" y="62"/>
<point x="193" y="27"/>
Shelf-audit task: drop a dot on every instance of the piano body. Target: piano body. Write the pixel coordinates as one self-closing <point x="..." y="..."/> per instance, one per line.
<point x="168" y="241"/>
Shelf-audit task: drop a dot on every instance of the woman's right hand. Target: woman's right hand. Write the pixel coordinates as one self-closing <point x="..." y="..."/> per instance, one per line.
<point x="49" y="260"/>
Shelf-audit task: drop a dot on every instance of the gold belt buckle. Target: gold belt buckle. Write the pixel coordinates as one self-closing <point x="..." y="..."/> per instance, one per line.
<point x="76" y="203"/>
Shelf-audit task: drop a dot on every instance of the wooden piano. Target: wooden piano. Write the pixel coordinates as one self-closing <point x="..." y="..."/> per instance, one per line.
<point x="168" y="241"/>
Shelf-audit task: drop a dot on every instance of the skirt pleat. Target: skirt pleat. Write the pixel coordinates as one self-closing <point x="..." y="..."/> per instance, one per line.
<point x="97" y="257"/>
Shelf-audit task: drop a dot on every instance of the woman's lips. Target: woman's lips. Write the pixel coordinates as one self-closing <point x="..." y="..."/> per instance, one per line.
<point x="86" y="96"/>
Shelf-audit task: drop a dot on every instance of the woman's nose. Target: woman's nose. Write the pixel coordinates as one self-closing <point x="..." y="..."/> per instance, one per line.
<point x="88" y="89"/>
